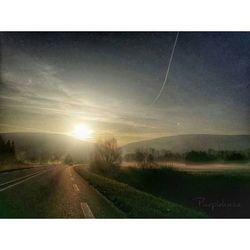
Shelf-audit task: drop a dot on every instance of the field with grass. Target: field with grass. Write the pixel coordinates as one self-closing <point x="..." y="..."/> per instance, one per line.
<point x="219" y="193"/>
<point x="135" y="203"/>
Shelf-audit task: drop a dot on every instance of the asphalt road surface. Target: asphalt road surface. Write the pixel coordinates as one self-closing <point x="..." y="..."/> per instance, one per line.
<point x="51" y="192"/>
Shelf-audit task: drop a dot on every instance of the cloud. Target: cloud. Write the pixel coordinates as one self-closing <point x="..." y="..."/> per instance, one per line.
<point x="51" y="84"/>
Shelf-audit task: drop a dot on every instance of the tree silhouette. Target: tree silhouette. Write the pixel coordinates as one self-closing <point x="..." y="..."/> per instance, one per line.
<point x="107" y="156"/>
<point x="7" y="151"/>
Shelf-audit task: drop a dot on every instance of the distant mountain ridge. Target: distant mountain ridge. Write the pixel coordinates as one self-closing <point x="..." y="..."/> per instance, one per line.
<point x="37" y="143"/>
<point x="185" y="143"/>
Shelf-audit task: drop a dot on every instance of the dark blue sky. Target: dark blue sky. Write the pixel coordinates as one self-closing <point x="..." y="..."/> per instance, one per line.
<point x="108" y="81"/>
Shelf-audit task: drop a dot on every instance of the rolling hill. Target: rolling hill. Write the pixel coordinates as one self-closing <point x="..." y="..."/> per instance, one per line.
<point x="35" y="144"/>
<point x="184" y="143"/>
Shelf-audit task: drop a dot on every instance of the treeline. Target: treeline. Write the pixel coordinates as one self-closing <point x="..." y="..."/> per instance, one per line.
<point x="8" y="154"/>
<point x="151" y="156"/>
<point x="40" y="156"/>
<point x="7" y="151"/>
<point x="46" y="157"/>
<point x="213" y="155"/>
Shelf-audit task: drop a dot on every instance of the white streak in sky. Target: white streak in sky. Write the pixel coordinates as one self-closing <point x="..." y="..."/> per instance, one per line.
<point x="168" y="69"/>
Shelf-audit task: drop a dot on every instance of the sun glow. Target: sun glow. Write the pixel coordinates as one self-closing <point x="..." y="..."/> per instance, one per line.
<point x="82" y="131"/>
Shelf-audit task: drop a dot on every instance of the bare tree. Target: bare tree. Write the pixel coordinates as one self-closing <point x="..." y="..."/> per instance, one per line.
<point x="107" y="156"/>
<point x="140" y="158"/>
<point x="145" y="158"/>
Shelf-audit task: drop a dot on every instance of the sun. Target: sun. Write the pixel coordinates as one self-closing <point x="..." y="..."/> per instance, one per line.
<point x="82" y="131"/>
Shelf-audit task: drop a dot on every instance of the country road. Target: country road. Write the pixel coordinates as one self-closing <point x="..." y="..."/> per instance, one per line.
<point x="51" y="192"/>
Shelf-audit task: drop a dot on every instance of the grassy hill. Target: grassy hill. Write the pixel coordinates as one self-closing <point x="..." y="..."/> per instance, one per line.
<point x="184" y="143"/>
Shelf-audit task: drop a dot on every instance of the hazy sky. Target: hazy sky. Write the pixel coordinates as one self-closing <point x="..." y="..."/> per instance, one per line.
<point x="52" y="81"/>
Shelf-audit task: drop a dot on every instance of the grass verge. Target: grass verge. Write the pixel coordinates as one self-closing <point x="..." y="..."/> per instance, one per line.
<point x="227" y="189"/>
<point x="135" y="203"/>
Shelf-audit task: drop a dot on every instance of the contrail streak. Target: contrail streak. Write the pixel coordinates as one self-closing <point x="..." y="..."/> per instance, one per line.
<point x="168" y="69"/>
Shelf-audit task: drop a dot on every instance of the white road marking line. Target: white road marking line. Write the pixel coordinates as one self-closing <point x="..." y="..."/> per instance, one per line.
<point x="76" y="188"/>
<point x="19" y="182"/>
<point x="19" y="178"/>
<point x="86" y="210"/>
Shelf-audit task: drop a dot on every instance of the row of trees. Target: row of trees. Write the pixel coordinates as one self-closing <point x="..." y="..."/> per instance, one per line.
<point x="149" y="157"/>
<point x="7" y="151"/>
<point x="157" y="155"/>
<point x="107" y="156"/>
<point x="41" y="156"/>
<point x="213" y="155"/>
<point x="46" y="156"/>
<point x="8" y="155"/>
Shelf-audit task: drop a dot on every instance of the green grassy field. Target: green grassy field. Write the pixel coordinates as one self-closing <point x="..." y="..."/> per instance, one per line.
<point x="222" y="193"/>
<point x="135" y="203"/>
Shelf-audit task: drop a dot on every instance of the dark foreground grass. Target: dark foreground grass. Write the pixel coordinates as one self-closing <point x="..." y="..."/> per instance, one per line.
<point x="220" y="194"/>
<point x="135" y="203"/>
